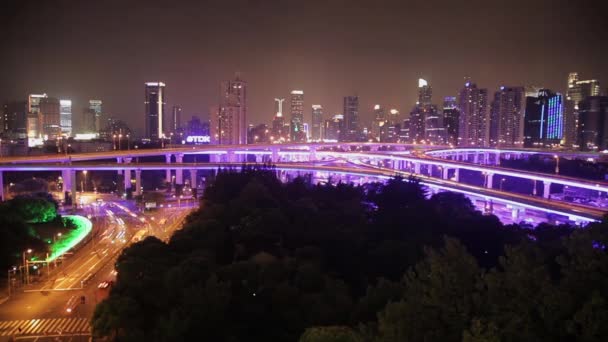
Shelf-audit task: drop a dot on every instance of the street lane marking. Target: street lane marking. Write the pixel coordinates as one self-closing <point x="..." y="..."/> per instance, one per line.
<point x="45" y="326"/>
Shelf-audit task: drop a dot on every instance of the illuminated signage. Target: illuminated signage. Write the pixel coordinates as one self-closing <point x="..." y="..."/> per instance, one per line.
<point x="198" y="139"/>
<point x="33" y="142"/>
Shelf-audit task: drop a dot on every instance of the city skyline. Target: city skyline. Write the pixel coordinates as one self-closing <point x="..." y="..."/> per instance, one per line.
<point x="377" y="70"/>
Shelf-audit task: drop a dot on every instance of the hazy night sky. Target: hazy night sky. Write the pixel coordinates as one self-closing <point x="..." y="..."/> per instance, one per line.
<point x="376" y="49"/>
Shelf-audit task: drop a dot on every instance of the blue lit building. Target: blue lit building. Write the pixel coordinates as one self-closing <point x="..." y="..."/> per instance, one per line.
<point x="544" y="119"/>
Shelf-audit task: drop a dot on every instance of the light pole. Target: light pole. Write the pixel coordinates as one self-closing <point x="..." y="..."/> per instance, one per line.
<point x="556" y="163"/>
<point x="84" y="182"/>
<point x="114" y="141"/>
<point x="55" y="237"/>
<point x="25" y="265"/>
<point x="501" y="181"/>
<point x="128" y="142"/>
<point x="119" y="138"/>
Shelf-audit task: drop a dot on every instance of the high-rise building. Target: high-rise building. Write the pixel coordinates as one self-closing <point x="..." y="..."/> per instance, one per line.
<point x="351" y="119"/>
<point x="65" y="112"/>
<point x="425" y="93"/>
<point x="593" y="123"/>
<point x="297" y="116"/>
<point x="379" y="123"/>
<point x="155" y="100"/>
<point x="333" y="128"/>
<point x="196" y="127"/>
<point x="95" y="107"/>
<point x="577" y="91"/>
<point x="50" y="110"/>
<point x="543" y="119"/>
<point x="473" y="128"/>
<point x="279" y="131"/>
<point x="451" y="120"/>
<point x="434" y="132"/>
<point x="34" y="118"/>
<point x="176" y="119"/>
<point x="393" y="126"/>
<point x="317" y="122"/>
<point x="14" y="119"/>
<point x="507" y="117"/>
<point x="416" y="132"/>
<point x="229" y="121"/>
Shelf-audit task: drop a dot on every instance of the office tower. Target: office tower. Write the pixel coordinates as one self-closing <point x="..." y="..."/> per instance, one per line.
<point x="50" y="110"/>
<point x="473" y="127"/>
<point x="434" y="132"/>
<point x="229" y="120"/>
<point x="577" y="91"/>
<point x="393" y="120"/>
<point x="176" y="119"/>
<point x="155" y="99"/>
<point x="378" y="125"/>
<point x="65" y="112"/>
<point x="351" y="119"/>
<point x="425" y="93"/>
<point x="506" y="117"/>
<point x="258" y="133"/>
<point x="95" y="107"/>
<point x="14" y="119"/>
<point x="451" y="120"/>
<point x="543" y="119"/>
<point x="317" y="122"/>
<point x="34" y="119"/>
<point x="279" y="131"/>
<point x="404" y="135"/>
<point x="297" y="116"/>
<point x="333" y="128"/>
<point x="593" y="123"/>
<point x="416" y="122"/>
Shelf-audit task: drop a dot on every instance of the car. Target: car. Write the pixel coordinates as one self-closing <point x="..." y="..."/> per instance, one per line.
<point x="71" y="304"/>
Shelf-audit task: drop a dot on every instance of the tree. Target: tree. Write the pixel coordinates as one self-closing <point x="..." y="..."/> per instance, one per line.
<point x="330" y="334"/>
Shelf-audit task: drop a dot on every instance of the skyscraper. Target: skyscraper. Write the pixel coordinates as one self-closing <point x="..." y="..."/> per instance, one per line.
<point x="95" y="107"/>
<point x="577" y="91"/>
<point x="434" y="132"/>
<point x="278" y="123"/>
<point x="176" y="119"/>
<point x="14" y="119"/>
<point x="451" y="120"/>
<point x="473" y="129"/>
<point x="416" y="132"/>
<point x="155" y="100"/>
<point x="317" y="122"/>
<point x="593" y="123"/>
<point x="351" y="119"/>
<point x="333" y="127"/>
<point x="34" y="119"/>
<point x="51" y="117"/>
<point x="65" y="111"/>
<point x="543" y="119"/>
<point x="297" y="116"/>
<point x="393" y="126"/>
<point x="425" y="93"/>
<point x="229" y="121"/>
<point x="507" y="117"/>
<point x="378" y="125"/>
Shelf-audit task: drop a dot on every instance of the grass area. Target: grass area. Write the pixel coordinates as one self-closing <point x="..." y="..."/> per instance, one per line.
<point x="71" y="238"/>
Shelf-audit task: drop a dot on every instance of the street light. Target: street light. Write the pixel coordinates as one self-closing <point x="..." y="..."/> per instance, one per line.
<point x="501" y="181"/>
<point x="25" y="265"/>
<point x="556" y="163"/>
<point x="84" y="182"/>
<point x="119" y="138"/>
<point x="128" y="142"/>
<point x="57" y="236"/>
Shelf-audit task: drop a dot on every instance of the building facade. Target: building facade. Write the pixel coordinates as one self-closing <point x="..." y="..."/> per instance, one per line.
<point x="50" y="112"/>
<point x="34" y="118"/>
<point x="229" y="120"/>
<point x="14" y="120"/>
<point x="65" y="112"/>
<point x="593" y="123"/>
<point x="155" y="100"/>
<point x="296" y="127"/>
<point x="176" y="119"/>
<point x="543" y="120"/>
<point x="351" y="119"/>
<point x="577" y="91"/>
<point x="317" y="123"/>
<point x="473" y="128"/>
<point x="451" y="120"/>
<point x="507" y="117"/>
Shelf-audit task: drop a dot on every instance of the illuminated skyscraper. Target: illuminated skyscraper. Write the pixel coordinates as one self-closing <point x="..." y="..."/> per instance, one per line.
<point x="507" y="117"/>
<point x="229" y="121"/>
<point x="351" y="119"/>
<point x="333" y="128"/>
<point x="50" y="110"/>
<point x="473" y="128"/>
<point x="593" y="123"/>
<point x="297" y="116"/>
<point x="425" y="93"/>
<point x="451" y="120"/>
<point x="154" y="101"/>
<point x="95" y="107"/>
<point x="416" y="131"/>
<point x="34" y="119"/>
<point x="393" y="126"/>
<point x="543" y="119"/>
<point x="279" y="130"/>
<point x="66" y="117"/>
<point x="176" y="119"/>
<point x="379" y="123"/>
<point x="317" y="122"/>
<point x="577" y="91"/>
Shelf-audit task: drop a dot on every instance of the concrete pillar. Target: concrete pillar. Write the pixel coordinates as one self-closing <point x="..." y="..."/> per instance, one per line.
<point x="457" y="175"/>
<point x="497" y="157"/>
<point x="168" y="170"/>
<point x="475" y="158"/>
<point x="138" y="182"/>
<point x="1" y="186"/>
<point x="179" y="173"/>
<point x="72" y="182"/>
<point x="486" y="158"/>
<point x="547" y="189"/>
<point x="516" y="214"/>
<point x="490" y="180"/>
<point x="118" y="161"/>
<point x="127" y="177"/>
<point x="275" y="154"/>
<point x="313" y="153"/>
<point x="444" y="172"/>
<point x="230" y="157"/>
<point x="417" y="168"/>
<point x="193" y="184"/>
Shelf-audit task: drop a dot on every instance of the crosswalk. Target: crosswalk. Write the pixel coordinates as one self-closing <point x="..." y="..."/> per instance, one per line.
<point x="45" y="326"/>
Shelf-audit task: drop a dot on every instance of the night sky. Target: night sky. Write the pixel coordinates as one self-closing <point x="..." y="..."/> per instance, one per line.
<point x="375" y="49"/>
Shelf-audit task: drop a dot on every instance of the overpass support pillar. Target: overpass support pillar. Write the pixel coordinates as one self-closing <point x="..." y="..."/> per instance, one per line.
<point x="168" y="170"/>
<point x="193" y="179"/>
<point x="231" y="157"/>
<point x="444" y="172"/>
<point x="475" y="158"/>
<point x="486" y="158"/>
<point x="118" y="161"/>
<point x="312" y="156"/>
<point x="490" y="181"/>
<point x="127" y="175"/>
<point x="138" y="182"/>
<point x="497" y="158"/>
<point x="547" y="189"/>
<point x="275" y="154"/>
<point x="457" y="175"/>
<point x="179" y="173"/>
<point x="417" y="168"/>
<point x="516" y="214"/>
